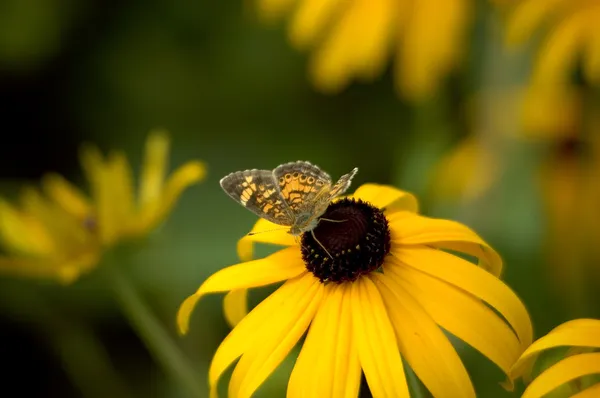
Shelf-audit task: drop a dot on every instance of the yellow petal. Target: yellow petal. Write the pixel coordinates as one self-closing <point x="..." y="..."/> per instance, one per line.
<point x="251" y="327"/>
<point x="328" y="364"/>
<point x="67" y="232"/>
<point x="418" y="230"/>
<point x="372" y="48"/>
<point x="67" y="196"/>
<point x="99" y="177"/>
<point x="310" y="19"/>
<point x="558" y="56"/>
<point x="475" y="281"/>
<point x="284" y="264"/>
<point x="422" y="343"/>
<point x="23" y="233"/>
<point x="122" y="187"/>
<point x="562" y="372"/>
<point x="427" y="55"/>
<point x="263" y="232"/>
<point x="286" y="327"/>
<point x="153" y="213"/>
<point x="578" y="333"/>
<point x="154" y="167"/>
<point x="527" y="16"/>
<point x="375" y="341"/>
<point x="332" y="63"/>
<point x="466" y="317"/>
<point x="388" y="197"/>
<point x="591" y="60"/>
<point x="592" y="392"/>
<point x="235" y="306"/>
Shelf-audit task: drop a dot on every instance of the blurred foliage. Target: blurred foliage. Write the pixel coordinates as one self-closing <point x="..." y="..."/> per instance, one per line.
<point x="235" y="94"/>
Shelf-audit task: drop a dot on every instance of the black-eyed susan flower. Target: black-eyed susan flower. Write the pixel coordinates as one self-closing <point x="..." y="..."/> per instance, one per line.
<point x="42" y="239"/>
<point x="582" y="359"/>
<point x="393" y="283"/>
<point x="356" y="39"/>
<point x="117" y="212"/>
<point x="571" y="35"/>
<point x="62" y="232"/>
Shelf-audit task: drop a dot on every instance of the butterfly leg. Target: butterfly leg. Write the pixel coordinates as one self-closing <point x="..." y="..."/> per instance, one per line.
<point x="320" y="244"/>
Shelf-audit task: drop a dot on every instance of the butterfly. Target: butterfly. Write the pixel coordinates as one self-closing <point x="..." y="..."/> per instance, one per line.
<point x="294" y="194"/>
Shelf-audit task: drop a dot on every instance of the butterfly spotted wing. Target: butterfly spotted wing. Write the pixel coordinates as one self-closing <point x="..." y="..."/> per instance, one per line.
<point x="300" y="183"/>
<point x="258" y="192"/>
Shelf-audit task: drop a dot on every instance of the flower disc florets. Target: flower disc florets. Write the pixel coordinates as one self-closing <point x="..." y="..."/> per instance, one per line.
<point x="356" y="237"/>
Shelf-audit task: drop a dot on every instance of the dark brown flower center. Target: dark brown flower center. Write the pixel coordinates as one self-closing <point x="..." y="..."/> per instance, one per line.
<point x="352" y="239"/>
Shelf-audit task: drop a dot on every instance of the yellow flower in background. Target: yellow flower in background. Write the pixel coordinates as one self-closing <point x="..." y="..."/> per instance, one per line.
<point x="62" y="233"/>
<point x="41" y="239"/>
<point x="355" y="39"/>
<point x="571" y="36"/>
<point x="501" y="120"/>
<point x="583" y="335"/>
<point x="391" y="286"/>
<point x="114" y="207"/>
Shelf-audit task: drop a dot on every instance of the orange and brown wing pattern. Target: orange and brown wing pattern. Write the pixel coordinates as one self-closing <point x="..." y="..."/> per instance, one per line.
<point x="300" y="183"/>
<point x="258" y="192"/>
<point x="342" y="184"/>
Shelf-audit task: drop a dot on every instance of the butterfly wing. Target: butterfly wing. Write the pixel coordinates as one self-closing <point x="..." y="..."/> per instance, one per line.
<point x="257" y="191"/>
<point x="300" y="183"/>
<point x="342" y="184"/>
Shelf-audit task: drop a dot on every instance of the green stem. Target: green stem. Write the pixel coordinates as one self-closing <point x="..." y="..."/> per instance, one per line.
<point x="152" y="332"/>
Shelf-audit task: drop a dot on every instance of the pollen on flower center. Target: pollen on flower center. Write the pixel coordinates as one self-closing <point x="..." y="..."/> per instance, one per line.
<point x="355" y="234"/>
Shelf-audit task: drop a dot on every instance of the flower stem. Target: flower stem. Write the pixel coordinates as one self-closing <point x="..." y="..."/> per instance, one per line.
<point x="151" y="331"/>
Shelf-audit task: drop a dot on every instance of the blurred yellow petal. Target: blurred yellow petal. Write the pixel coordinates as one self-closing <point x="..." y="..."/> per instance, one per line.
<point x="331" y="66"/>
<point x="263" y="232"/>
<point x="564" y="371"/>
<point x="577" y="333"/>
<point x="376" y="343"/>
<point x="119" y="173"/>
<point x="276" y="341"/>
<point x="235" y="306"/>
<point x="554" y="111"/>
<point x="372" y="47"/>
<point x="309" y="20"/>
<point x="461" y="314"/>
<point x="388" y="197"/>
<point x="414" y="229"/>
<point x="154" y="168"/>
<point x="591" y="59"/>
<point x="527" y="16"/>
<point x="328" y="364"/>
<point x="466" y="173"/>
<point x="66" y="231"/>
<point x="99" y="177"/>
<point x="559" y="53"/>
<point x="67" y="195"/>
<point x="21" y="233"/>
<point x="251" y="327"/>
<point x="284" y="264"/>
<point x="424" y="346"/>
<point x="155" y="212"/>
<point x="427" y="55"/>
<point x="474" y="280"/>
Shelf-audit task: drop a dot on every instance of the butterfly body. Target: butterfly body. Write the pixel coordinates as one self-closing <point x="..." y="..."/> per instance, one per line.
<point x="294" y="194"/>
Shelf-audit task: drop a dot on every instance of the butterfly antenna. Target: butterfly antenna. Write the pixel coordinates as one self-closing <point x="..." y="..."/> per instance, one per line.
<point x="312" y="232"/>
<point x="268" y="230"/>
<point x="330" y="220"/>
